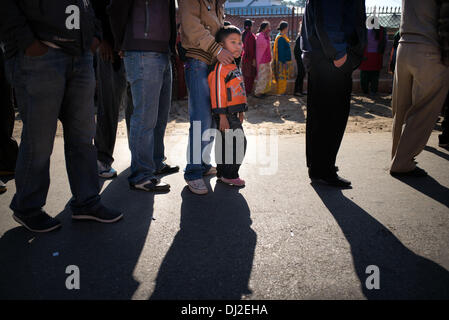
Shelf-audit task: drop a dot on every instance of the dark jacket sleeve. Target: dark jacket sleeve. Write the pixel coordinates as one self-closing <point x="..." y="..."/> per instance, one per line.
<point x="329" y="28"/>
<point x="99" y="7"/>
<point x="297" y="51"/>
<point x="119" y="11"/>
<point x="14" y="24"/>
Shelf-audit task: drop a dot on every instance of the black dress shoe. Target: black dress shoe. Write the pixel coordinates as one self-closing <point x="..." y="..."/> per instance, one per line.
<point x="167" y="170"/>
<point x="153" y="185"/>
<point x="333" y="181"/>
<point x="416" y="173"/>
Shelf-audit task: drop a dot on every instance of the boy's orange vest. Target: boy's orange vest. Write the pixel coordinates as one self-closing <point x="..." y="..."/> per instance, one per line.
<point x="227" y="89"/>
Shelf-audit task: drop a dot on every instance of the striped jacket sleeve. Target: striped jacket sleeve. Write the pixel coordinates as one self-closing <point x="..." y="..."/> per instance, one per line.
<point x="218" y="89"/>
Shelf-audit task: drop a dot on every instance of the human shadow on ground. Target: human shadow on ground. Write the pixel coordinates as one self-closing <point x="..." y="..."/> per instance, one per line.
<point x="429" y="187"/>
<point x="212" y="254"/>
<point x="33" y="266"/>
<point x="368" y="106"/>
<point x="437" y="152"/>
<point x="403" y="274"/>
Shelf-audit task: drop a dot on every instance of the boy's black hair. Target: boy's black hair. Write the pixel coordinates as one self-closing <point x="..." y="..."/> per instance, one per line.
<point x="224" y="32"/>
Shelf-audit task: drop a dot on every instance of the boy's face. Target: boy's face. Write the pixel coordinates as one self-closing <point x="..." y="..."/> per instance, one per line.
<point x="233" y="43"/>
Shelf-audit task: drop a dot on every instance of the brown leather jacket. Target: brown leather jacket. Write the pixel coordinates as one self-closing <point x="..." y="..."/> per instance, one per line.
<point x="200" y="21"/>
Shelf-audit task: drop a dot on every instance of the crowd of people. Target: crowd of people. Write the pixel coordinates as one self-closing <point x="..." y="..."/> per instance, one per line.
<point x="48" y="53"/>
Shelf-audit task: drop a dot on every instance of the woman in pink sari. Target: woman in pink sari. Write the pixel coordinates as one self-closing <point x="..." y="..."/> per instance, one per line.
<point x="263" y="60"/>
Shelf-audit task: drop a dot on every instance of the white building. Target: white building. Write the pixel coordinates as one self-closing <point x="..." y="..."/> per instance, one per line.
<point x="251" y="3"/>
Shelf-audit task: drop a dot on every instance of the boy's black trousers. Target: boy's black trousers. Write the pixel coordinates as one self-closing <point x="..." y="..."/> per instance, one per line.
<point x="328" y="104"/>
<point x="231" y="141"/>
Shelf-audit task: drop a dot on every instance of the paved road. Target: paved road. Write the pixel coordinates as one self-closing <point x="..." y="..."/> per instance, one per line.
<point x="278" y="238"/>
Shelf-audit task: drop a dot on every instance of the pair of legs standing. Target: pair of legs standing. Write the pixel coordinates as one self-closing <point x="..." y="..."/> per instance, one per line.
<point x="150" y="77"/>
<point x="56" y="85"/>
<point x="421" y="84"/>
<point x="200" y="136"/>
<point x="230" y="149"/>
<point x="328" y="105"/>
<point x="112" y="93"/>
<point x="369" y="81"/>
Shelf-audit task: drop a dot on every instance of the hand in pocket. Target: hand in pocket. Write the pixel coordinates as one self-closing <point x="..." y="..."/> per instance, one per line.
<point x="340" y="62"/>
<point x="36" y="49"/>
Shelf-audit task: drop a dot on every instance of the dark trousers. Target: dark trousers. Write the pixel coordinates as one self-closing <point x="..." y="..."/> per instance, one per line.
<point x="112" y="92"/>
<point x="55" y="85"/>
<point x="369" y="80"/>
<point x="230" y="148"/>
<point x="328" y="104"/>
<point x="8" y="146"/>
<point x="299" y="84"/>
<point x="249" y="84"/>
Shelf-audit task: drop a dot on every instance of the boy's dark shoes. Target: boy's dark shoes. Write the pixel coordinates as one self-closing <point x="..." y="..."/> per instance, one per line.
<point x="167" y="169"/>
<point x="39" y="222"/>
<point x="100" y="214"/>
<point x="415" y="173"/>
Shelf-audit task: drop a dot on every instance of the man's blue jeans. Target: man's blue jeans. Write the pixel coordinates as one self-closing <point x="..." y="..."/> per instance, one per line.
<point x="200" y="113"/>
<point x="150" y="77"/>
<point x="55" y="85"/>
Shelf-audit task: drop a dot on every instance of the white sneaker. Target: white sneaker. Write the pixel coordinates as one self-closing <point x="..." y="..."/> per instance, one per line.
<point x="211" y="172"/>
<point x="105" y="171"/>
<point x="197" y="186"/>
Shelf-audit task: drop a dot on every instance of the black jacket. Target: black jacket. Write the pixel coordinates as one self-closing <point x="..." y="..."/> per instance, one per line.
<point x="297" y="51"/>
<point x="143" y="25"/>
<point x="24" y="21"/>
<point x="100" y="9"/>
<point x="347" y="34"/>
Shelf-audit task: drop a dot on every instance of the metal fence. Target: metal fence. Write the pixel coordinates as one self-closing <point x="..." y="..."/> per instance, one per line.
<point x="274" y="15"/>
<point x="389" y="17"/>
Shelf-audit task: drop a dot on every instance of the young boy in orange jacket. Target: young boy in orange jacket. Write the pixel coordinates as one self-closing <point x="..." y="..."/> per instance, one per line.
<point x="228" y="99"/>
